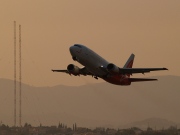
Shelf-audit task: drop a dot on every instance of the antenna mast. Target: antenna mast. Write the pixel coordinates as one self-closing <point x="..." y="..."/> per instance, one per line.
<point x="20" y="75"/>
<point x="14" y="73"/>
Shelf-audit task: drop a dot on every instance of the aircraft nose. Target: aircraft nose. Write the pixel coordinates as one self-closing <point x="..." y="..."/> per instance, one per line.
<point x="71" y="49"/>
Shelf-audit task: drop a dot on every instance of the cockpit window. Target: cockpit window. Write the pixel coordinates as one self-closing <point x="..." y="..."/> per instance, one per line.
<point x="78" y="45"/>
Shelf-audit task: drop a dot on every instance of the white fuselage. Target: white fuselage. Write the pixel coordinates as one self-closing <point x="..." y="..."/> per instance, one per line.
<point x="88" y="58"/>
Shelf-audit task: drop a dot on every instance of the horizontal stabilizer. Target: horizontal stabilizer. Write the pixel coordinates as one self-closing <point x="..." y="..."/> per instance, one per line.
<point x="141" y="79"/>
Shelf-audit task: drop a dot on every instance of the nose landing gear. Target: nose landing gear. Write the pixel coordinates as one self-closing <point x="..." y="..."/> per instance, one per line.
<point x="74" y="58"/>
<point x="95" y="77"/>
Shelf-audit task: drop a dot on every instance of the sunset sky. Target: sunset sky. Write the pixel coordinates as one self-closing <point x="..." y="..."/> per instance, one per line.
<point x="114" y="29"/>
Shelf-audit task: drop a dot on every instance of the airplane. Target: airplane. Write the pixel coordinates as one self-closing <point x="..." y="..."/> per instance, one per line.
<point x="98" y="67"/>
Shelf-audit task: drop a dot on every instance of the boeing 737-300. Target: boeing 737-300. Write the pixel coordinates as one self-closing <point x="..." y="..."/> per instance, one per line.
<point x="98" y="67"/>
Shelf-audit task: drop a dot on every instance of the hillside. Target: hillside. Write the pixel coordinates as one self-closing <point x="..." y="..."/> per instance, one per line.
<point x="94" y="104"/>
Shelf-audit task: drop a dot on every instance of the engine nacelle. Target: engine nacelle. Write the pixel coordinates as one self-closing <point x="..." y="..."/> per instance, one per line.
<point x="112" y="68"/>
<point x="72" y="69"/>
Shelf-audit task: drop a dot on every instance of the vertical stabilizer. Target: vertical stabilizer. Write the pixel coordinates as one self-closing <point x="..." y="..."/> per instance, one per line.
<point x="129" y="62"/>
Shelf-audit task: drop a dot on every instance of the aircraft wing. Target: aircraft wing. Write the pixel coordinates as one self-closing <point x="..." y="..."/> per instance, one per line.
<point x="82" y="71"/>
<point x="138" y="70"/>
<point x="56" y="70"/>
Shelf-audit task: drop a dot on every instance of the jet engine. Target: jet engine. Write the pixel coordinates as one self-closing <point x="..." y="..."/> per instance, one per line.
<point x="112" y="68"/>
<point x="72" y="69"/>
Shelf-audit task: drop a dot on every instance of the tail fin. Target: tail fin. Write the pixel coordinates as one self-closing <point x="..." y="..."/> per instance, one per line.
<point x="129" y="62"/>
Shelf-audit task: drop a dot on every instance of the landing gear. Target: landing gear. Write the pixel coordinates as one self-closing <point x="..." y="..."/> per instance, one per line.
<point x="96" y="77"/>
<point x="74" y="58"/>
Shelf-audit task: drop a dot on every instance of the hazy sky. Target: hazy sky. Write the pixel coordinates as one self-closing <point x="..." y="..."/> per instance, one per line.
<point x="150" y="29"/>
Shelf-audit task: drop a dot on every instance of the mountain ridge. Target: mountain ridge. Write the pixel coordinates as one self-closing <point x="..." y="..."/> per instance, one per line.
<point x="94" y="105"/>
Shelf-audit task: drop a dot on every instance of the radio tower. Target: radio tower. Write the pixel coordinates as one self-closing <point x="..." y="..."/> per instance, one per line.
<point x="20" y="76"/>
<point x="14" y="73"/>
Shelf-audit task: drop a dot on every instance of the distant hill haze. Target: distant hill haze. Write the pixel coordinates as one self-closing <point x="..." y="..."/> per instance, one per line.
<point x="95" y="105"/>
